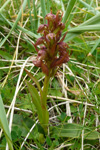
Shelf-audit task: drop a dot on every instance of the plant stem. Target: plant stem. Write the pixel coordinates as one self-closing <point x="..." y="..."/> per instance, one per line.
<point x="45" y="118"/>
<point x="45" y="89"/>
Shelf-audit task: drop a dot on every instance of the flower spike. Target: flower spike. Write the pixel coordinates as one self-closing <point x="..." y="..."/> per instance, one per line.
<point x="53" y="51"/>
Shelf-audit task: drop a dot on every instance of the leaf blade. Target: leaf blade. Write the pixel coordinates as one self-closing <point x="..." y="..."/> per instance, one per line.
<point x="68" y="10"/>
<point x="75" y="130"/>
<point x="15" y="23"/>
<point x="35" y="99"/>
<point x="43" y="7"/>
<point x="4" y="124"/>
<point x="34" y="80"/>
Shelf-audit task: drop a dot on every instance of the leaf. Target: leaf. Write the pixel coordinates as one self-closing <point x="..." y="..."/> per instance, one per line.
<point x="24" y="30"/>
<point x="4" y="124"/>
<point x="95" y="20"/>
<point x="48" y="140"/>
<point x="95" y="46"/>
<point x="5" y="55"/>
<point x="89" y="7"/>
<point x="4" y="5"/>
<point x="31" y="34"/>
<point x="43" y="7"/>
<point x="63" y="117"/>
<point x="68" y="10"/>
<point x="86" y="28"/>
<point x="35" y="16"/>
<point x="34" y="80"/>
<point x="75" y="131"/>
<point x="15" y="23"/>
<point x="35" y="99"/>
<point x="22" y="124"/>
<point x="48" y="6"/>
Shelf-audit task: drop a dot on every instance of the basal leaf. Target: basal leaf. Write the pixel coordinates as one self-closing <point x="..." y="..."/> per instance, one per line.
<point x="35" y="99"/>
<point x="33" y="79"/>
<point x="5" y="55"/>
<point x="4" y="124"/>
<point x="75" y="131"/>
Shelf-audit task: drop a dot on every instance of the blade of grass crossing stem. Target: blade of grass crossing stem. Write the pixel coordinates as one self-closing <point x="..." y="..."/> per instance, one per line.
<point x="4" y="124"/>
<point x="14" y="25"/>
<point x="30" y="16"/>
<point x="43" y="7"/>
<point x="70" y="6"/>
<point x="35" y="99"/>
<point x="35" y="17"/>
<point x="4" y="5"/>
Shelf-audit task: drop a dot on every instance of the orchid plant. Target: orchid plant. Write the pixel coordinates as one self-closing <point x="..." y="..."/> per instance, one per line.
<point x="52" y="53"/>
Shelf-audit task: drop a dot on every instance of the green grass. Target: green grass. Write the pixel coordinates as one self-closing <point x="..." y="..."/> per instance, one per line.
<point x="74" y="92"/>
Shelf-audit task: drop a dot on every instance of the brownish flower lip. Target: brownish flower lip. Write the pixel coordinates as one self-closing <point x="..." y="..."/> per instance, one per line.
<point x="50" y="38"/>
<point x="42" y="27"/>
<point x="40" y="41"/>
<point x="42" y="54"/>
<point x="37" y="63"/>
<point x="50" y="17"/>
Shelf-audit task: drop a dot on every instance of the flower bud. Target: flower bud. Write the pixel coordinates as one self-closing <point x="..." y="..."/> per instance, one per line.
<point x="51" y="38"/>
<point x="58" y="16"/>
<point x="58" y="28"/>
<point x="40" y="41"/>
<point x="43" y="47"/>
<point x="50" y="17"/>
<point x="59" y="61"/>
<point x="61" y="25"/>
<point x="37" y="63"/>
<point x="41" y="28"/>
<point x="42" y="54"/>
<point x="62" y="46"/>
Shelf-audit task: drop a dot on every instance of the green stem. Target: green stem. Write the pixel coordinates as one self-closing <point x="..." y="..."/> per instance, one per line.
<point x="45" y="118"/>
<point x="45" y="89"/>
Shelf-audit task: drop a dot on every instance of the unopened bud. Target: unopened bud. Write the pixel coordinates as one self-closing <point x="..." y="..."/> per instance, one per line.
<point x="40" y="41"/>
<point x="50" y="17"/>
<point x="41" y="28"/>
<point x="37" y="63"/>
<point x="42" y="54"/>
